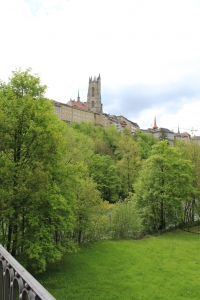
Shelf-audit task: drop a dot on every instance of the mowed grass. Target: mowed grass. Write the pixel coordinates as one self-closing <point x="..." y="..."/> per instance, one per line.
<point x="163" y="267"/>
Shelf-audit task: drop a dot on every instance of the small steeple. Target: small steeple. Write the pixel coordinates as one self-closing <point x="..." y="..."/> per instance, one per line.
<point x="178" y="130"/>
<point x="155" y="125"/>
<point x="78" y="98"/>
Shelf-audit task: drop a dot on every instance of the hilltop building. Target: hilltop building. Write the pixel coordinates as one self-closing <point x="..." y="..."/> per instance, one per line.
<point x="161" y="133"/>
<point x="184" y="136"/>
<point x="92" y="110"/>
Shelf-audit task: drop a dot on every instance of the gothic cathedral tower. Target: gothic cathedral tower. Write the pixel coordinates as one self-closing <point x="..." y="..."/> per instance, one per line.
<point x="94" y="95"/>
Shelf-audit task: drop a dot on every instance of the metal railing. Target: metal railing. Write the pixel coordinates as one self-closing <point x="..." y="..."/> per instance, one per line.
<point x="17" y="283"/>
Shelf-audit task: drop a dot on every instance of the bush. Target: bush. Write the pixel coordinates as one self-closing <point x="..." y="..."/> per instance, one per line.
<point x="125" y="220"/>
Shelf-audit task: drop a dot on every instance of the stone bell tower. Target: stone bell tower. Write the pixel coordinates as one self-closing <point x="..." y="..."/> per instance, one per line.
<point x="94" y="95"/>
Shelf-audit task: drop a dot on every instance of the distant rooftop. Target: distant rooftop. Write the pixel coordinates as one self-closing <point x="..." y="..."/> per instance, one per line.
<point x="77" y="104"/>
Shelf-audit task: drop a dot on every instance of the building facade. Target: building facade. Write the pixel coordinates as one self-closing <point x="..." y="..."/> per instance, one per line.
<point x="161" y="133"/>
<point x="73" y="112"/>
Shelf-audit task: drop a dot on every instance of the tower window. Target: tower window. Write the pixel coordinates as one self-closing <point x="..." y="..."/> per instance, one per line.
<point x="92" y="91"/>
<point x="92" y="103"/>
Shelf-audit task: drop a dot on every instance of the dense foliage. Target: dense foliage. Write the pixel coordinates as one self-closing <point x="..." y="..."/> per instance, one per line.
<point x="36" y="209"/>
<point x="64" y="184"/>
<point x="163" y="187"/>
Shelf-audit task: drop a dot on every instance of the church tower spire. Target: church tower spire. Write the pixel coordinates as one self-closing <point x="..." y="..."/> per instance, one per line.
<point x="94" y="95"/>
<point x="78" y="98"/>
<point x="155" y="125"/>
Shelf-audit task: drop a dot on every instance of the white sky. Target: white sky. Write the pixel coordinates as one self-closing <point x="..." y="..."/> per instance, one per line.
<point x="147" y="52"/>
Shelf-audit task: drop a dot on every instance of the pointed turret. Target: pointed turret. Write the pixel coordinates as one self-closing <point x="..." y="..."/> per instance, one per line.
<point x="178" y="134"/>
<point x="78" y="98"/>
<point x="155" y="125"/>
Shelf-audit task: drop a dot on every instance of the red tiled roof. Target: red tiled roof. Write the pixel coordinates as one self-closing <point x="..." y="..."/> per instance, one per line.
<point x="77" y="104"/>
<point x="185" y="134"/>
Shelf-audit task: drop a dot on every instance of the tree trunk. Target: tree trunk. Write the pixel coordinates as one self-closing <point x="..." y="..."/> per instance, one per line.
<point x="9" y="238"/>
<point x="15" y="240"/>
<point x="162" y="216"/>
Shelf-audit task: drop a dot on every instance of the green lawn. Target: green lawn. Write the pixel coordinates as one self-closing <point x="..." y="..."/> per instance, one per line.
<point x="164" y="267"/>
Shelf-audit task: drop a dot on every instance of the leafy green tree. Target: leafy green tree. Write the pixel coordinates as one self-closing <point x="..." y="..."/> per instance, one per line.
<point x="191" y="151"/>
<point x="80" y="147"/>
<point x="194" y="155"/>
<point x="129" y="162"/>
<point x="164" y="185"/>
<point x="113" y="137"/>
<point x="36" y="211"/>
<point x="146" y="142"/>
<point x="103" y="139"/>
<point x="125" y="220"/>
<point x="87" y="199"/>
<point x="89" y="218"/>
<point x="104" y="173"/>
<point x="100" y="226"/>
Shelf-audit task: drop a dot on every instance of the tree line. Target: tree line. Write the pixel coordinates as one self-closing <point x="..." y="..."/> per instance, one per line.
<point x="65" y="184"/>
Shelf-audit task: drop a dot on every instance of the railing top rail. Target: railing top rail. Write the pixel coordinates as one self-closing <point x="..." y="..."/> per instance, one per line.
<point x="26" y="276"/>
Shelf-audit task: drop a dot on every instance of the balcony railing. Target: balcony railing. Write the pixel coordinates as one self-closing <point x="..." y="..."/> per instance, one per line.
<point x="17" y="283"/>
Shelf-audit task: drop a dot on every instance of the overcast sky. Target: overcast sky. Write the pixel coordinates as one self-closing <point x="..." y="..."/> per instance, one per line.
<point x="147" y="52"/>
